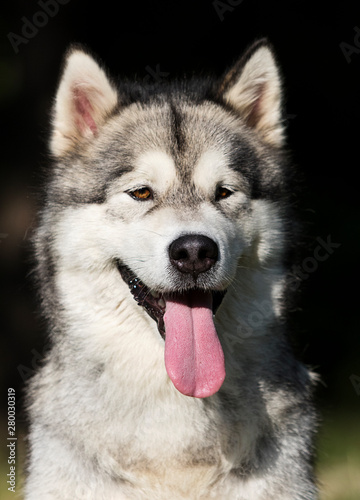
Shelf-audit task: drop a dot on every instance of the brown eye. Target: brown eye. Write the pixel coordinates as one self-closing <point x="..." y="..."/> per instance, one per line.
<point x="142" y="194"/>
<point x="222" y="193"/>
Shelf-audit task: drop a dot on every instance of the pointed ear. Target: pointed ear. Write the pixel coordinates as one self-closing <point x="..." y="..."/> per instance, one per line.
<point x="84" y="100"/>
<point x="253" y="89"/>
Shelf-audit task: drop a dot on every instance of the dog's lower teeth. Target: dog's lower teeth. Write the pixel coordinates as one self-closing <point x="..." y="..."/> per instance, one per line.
<point x="161" y="302"/>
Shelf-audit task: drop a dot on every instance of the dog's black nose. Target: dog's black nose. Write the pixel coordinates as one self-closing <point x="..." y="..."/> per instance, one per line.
<point x="193" y="253"/>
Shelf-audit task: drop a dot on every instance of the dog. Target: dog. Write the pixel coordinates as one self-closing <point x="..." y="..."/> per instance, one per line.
<point x="162" y="252"/>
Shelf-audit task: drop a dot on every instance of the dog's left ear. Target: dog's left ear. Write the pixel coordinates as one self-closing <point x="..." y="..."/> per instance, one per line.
<point x="253" y="89"/>
<point x="84" y="100"/>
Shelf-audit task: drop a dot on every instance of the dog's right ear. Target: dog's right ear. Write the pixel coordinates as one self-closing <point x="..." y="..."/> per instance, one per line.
<point x="85" y="98"/>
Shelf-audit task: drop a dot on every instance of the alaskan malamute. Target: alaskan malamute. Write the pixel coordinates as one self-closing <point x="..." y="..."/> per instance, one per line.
<point x="161" y="253"/>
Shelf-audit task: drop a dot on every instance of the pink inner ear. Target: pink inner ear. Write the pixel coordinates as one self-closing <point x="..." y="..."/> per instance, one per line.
<point x="84" y="112"/>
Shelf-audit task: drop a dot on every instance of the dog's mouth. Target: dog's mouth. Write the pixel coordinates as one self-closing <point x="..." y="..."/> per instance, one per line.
<point x="193" y="355"/>
<point x="154" y="302"/>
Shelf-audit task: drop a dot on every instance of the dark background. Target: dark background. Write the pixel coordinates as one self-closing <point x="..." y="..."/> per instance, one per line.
<point x="165" y="39"/>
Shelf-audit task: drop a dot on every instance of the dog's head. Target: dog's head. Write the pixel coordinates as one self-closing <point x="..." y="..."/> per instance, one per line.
<point x="176" y="187"/>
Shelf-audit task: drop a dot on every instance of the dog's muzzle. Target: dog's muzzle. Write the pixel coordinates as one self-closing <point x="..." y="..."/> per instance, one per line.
<point x="194" y="358"/>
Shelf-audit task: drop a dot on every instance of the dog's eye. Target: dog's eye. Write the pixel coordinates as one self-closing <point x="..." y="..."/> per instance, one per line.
<point x="144" y="193"/>
<point x="222" y="193"/>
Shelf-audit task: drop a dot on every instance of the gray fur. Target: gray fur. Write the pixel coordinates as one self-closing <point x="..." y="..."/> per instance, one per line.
<point x="106" y="420"/>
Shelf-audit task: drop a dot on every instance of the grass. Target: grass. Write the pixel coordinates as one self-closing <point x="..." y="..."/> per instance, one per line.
<point x="338" y="467"/>
<point x="339" y="458"/>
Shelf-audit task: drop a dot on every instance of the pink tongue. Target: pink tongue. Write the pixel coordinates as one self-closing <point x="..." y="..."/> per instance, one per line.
<point x="194" y="358"/>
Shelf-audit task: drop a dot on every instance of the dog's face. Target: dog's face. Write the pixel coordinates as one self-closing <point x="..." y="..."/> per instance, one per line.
<point x="184" y="207"/>
<point x="174" y="191"/>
